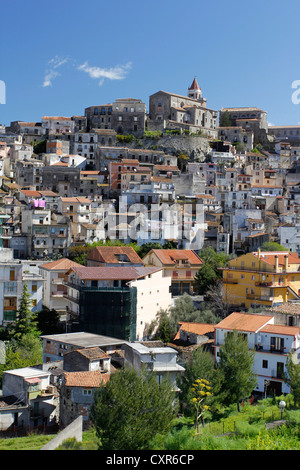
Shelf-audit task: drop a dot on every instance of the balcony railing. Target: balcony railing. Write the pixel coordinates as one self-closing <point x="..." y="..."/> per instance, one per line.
<point x="230" y="281"/>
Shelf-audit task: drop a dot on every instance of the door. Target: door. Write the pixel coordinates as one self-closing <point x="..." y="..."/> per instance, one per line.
<point x="280" y="369"/>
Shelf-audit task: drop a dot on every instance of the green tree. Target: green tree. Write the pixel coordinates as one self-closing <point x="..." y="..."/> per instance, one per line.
<point x="131" y="408"/>
<point x="183" y="310"/>
<point x="25" y="318"/>
<point x="200" y="365"/>
<point x="292" y="378"/>
<point x="48" y="321"/>
<point x="272" y="246"/>
<point x="164" y="331"/>
<point x="210" y="273"/>
<point x="25" y="353"/>
<point x="40" y="147"/>
<point x="225" y="120"/>
<point x="236" y="368"/>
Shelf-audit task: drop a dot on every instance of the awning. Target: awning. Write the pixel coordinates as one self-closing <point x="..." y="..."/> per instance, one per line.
<point x="33" y="380"/>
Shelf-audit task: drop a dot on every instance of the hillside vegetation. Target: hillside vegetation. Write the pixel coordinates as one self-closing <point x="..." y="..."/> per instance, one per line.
<point x="244" y="430"/>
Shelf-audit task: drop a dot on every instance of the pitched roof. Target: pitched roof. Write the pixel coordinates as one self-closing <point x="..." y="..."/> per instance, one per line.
<point x="171" y="256"/>
<point x="61" y="264"/>
<point x="81" y="200"/>
<point x="242" y="109"/>
<point x="28" y="192"/>
<point x="120" y="273"/>
<point x="91" y="353"/>
<point x="281" y="330"/>
<point x="107" y="254"/>
<point x="90" y="379"/>
<point x="194" y="85"/>
<point x="243" y="322"/>
<point x="196" y="328"/>
<point x="269" y="257"/>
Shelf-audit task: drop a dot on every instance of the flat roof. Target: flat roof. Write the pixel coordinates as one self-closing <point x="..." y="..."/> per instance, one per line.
<point x="83" y="339"/>
<point x="28" y="372"/>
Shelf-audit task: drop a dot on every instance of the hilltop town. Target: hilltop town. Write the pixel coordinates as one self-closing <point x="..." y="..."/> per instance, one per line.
<point x="106" y="217"/>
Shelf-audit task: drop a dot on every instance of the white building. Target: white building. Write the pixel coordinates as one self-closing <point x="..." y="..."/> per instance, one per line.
<point x="54" y="292"/>
<point x="13" y="275"/>
<point x="32" y="399"/>
<point x="162" y="361"/>
<point x="91" y="287"/>
<point x="57" y="125"/>
<point x="272" y="344"/>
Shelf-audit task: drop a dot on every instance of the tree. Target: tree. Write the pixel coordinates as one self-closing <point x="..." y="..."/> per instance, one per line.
<point x="200" y="365"/>
<point x="205" y="278"/>
<point x="131" y="408"/>
<point x="164" y="331"/>
<point x="225" y="120"/>
<point x="272" y="246"/>
<point x="25" y="318"/>
<point x="48" y="321"/>
<point x="236" y="368"/>
<point x="183" y="310"/>
<point x="25" y="353"/>
<point x="292" y="378"/>
<point x="210" y="273"/>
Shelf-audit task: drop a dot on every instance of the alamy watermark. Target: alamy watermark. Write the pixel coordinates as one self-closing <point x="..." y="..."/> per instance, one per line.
<point x="2" y="92"/>
<point x="152" y="222"/>
<point x="296" y="93"/>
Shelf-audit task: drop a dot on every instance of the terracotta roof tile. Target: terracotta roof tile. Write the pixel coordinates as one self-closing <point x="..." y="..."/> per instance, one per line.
<point x="107" y="254"/>
<point x="171" y="256"/>
<point x="269" y="257"/>
<point x="91" y="353"/>
<point x="244" y="322"/>
<point x="196" y="328"/>
<point x="61" y="264"/>
<point x="281" y="330"/>
<point x="90" y="379"/>
<point x="120" y="273"/>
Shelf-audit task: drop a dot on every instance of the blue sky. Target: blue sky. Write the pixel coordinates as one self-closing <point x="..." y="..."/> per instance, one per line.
<point x="59" y="57"/>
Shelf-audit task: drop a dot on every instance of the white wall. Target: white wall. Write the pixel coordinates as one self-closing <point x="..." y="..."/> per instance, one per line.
<point x="153" y="293"/>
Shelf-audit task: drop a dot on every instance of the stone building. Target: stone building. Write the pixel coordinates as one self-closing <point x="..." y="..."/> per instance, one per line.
<point x="250" y="119"/>
<point x="77" y="394"/>
<point x="85" y="143"/>
<point x="62" y="179"/>
<point x="172" y="111"/>
<point x="125" y="116"/>
<point x="129" y="116"/>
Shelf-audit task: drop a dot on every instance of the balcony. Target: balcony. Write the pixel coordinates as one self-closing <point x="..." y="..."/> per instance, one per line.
<point x="230" y="281"/>
<point x="71" y="298"/>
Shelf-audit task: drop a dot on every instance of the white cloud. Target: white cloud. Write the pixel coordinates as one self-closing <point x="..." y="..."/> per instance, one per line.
<point x="57" y="61"/>
<point x="118" y="72"/>
<point x="51" y="73"/>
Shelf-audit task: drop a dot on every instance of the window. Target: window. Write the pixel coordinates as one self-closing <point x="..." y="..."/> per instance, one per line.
<point x="87" y="392"/>
<point x="34" y="287"/>
<point x="265" y="364"/>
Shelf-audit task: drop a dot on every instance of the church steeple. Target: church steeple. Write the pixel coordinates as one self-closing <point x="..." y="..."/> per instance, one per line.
<point x="194" y="91"/>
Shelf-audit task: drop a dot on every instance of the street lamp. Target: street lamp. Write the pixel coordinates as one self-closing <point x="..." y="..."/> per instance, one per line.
<point x="282" y="405"/>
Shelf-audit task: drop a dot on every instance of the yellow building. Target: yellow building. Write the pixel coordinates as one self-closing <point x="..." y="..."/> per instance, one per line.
<point x="262" y="279"/>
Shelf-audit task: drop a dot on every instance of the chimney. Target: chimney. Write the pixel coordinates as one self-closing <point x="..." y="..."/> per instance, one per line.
<point x="276" y="263"/>
<point x="286" y="262"/>
<point x="258" y="253"/>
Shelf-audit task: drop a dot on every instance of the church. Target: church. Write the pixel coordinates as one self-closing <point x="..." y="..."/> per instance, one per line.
<point x="172" y="111"/>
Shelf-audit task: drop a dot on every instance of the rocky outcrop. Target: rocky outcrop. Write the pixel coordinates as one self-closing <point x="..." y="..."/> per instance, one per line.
<point x="194" y="147"/>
